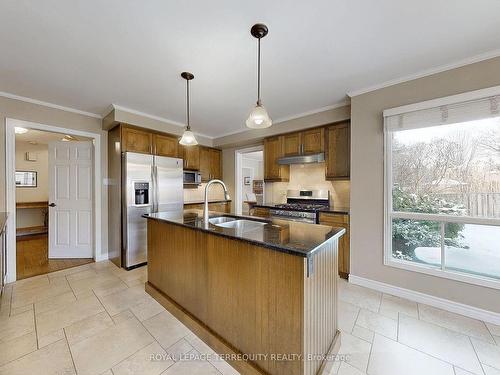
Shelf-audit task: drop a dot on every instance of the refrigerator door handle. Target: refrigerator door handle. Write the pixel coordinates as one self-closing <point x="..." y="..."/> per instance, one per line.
<point x="156" y="189"/>
<point x="153" y="190"/>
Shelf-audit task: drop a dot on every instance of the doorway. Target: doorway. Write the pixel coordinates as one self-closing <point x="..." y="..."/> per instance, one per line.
<point x="51" y="195"/>
<point x="249" y="181"/>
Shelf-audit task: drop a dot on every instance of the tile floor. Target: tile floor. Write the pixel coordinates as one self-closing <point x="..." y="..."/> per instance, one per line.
<point x="386" y="335"/>
<point x="97" y="319"/>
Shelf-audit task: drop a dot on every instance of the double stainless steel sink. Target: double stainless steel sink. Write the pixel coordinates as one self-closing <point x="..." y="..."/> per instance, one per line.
<point x="242" y="225"/>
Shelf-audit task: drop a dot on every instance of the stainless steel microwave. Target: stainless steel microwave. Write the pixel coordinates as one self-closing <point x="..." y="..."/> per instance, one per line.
<point x="192" y="178"/>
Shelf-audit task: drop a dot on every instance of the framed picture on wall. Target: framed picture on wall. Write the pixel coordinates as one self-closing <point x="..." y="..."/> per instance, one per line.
<point x="246" y="180"/>
<point x="26" y="179"/>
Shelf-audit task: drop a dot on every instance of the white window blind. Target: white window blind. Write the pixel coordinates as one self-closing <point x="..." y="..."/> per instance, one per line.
<point x="478" y="109"/>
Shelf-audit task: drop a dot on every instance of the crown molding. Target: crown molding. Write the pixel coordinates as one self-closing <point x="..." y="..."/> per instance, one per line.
<point x="342" y="103"/>
<point x="47" y="104"/>
<point x="290" y="118"/>
<point x="154" y="117"/>
<point x="427" y="72"/>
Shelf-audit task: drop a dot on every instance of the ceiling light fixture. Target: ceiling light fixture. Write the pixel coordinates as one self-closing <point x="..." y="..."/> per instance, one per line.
<point x="19" y="130"/>
<point x="259" y="118"/>
<point x="188" y="138"/>
<point x="68" y="138"/>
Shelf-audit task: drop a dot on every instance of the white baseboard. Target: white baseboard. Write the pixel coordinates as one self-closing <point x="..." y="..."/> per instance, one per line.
<point x="441" y="303"/>
<point x="101" y="257"/>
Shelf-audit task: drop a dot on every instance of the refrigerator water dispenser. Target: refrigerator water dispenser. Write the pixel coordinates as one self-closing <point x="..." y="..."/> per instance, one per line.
<point x="141" y="193"/>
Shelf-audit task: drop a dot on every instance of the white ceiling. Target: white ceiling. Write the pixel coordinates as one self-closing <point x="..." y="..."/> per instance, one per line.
<point x="88" y="54"/>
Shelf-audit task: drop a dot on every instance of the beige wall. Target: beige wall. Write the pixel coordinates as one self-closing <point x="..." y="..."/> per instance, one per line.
<point x="367" y="180"/>
<point x="41" y="166"/>
<point x="15" y="109"/>
<point x="32" y="217"/>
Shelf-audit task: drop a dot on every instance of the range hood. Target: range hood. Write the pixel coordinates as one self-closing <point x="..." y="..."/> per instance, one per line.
<point x="302" y="159"/>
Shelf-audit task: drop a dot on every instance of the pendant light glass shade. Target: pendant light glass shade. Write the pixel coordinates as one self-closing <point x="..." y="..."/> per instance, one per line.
<point x="188" y="138"/>
<point x="259" y="118"/>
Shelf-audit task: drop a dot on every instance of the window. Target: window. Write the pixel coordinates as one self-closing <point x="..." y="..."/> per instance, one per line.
<point x="26" y="179"/>
<point x="442" y="171"/>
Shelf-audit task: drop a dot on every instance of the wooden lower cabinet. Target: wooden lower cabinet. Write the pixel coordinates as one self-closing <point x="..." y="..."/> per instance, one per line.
<point x="223" y="207"/>
<point x="340" y="220"/>
<point x="260" y="212"/>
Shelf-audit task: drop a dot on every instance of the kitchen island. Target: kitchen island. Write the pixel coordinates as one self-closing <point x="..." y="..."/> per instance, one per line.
<point x="266" y="289"/>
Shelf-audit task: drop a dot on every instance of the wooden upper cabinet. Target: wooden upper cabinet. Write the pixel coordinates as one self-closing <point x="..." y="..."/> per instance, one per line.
<point x="338" y="153"/>
<point x="273" y="150"/>
<point x="313" y="141"/>
<point x="305" y="142"/>
<point x="205" y="164"/>
<point x="215" y="163"/>
<point x="165" y="145"/>
<point x="137" y="140"/>
<point x="191" y="156"/>
<point x="291" y="144"/>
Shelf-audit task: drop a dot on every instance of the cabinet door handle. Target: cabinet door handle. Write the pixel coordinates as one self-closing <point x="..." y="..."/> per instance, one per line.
<point x="52" y="204"/>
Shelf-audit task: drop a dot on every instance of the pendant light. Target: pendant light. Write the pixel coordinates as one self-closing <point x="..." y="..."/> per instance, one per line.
<point x="188" y="138"/>
<point x="258" y="118"/>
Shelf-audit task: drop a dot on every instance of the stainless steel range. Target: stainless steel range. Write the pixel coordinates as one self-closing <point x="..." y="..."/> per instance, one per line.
<point x="302" y="205"/>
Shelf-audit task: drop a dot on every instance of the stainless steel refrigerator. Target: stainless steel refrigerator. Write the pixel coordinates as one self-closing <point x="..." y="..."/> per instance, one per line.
<point x="150" y="184"/>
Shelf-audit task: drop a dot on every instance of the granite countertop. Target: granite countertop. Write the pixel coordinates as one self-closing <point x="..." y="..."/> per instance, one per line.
<point x="210" y="201"/>
<point x="3" y="220"/>
<point x="290" y="237"/>
<point x="332" y="209"/>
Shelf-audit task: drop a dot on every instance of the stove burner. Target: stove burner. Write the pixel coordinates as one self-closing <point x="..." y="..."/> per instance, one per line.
<point x="300" y="206"/>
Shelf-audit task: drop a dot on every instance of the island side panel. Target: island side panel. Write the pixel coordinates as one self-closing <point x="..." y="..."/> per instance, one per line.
<point x="177" y="265"/>
<point x="321" y="335"/>
<point x="249" y="296"/>
<point x="256" y="301"/>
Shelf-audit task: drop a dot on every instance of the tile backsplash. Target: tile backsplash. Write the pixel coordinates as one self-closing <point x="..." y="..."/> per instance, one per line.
<point x="309" y="177"/>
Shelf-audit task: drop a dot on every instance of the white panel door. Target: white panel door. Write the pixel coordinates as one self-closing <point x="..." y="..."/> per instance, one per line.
<point x="70" y="199"/>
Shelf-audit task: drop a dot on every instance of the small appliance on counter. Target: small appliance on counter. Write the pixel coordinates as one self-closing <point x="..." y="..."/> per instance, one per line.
<point x="302" y="205"/>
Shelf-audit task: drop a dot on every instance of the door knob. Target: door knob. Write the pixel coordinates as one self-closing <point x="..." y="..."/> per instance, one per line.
<point x="52" y="205"/>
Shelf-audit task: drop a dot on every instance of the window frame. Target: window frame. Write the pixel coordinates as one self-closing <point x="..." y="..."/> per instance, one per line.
<point x="389" y="214"/>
